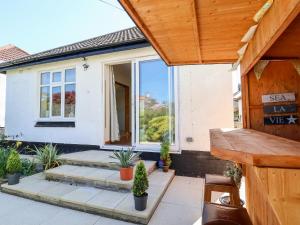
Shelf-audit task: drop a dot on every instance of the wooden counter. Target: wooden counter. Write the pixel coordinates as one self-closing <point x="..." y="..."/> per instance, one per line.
<point x="255" y="148"/>
<point x="272" y="173"/>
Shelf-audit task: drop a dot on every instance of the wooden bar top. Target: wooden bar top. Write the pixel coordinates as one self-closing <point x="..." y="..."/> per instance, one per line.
<point x="255" y="148"/>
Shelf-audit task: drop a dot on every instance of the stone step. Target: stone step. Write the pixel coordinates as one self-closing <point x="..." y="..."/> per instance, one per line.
<point x="91" y="158"/>
<point x="93" y="177"/>
<point x="117" y="205"/>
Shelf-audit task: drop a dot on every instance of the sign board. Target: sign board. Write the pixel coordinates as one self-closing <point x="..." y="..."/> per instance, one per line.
<point x="281" y="97"/>
<point x="268" y="109"/>
<point x="280" y="120"/>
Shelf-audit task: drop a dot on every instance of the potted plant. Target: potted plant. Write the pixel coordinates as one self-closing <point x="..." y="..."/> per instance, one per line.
<point x="47" y="157"/>
<point x="234" y="171"/>
<point x="13" y="167"/>
<point x="165" y="155"/>
<point x="140" y="186"/>
<point x="126" y="160"/>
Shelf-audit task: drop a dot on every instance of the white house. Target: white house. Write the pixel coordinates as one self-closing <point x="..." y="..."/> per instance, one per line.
<point x="7" y="53"/>
<point x="114" y="91"/>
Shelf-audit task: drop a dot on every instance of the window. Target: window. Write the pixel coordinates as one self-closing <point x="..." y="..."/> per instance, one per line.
<point x="58" y="94"/>
<point x="156" y="102"/>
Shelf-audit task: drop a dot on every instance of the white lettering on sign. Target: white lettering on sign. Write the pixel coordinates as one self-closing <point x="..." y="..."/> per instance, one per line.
<point x="283" y="97"/>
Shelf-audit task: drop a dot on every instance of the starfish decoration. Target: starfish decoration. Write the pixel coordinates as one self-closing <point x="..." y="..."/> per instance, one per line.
<point x="292" y="119"/>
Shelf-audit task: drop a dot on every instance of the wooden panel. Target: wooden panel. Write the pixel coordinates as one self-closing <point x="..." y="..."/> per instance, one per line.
<point x="194" y="31"/>
<point x="248" y="146"/>
<point x="273" y="195"/>
<point x="278" y="77"/>
<point x="288" y="44"/>
<point x="272" y="25"/>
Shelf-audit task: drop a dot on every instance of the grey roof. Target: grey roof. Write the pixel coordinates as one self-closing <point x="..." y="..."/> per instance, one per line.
<point x="123" y="37"/>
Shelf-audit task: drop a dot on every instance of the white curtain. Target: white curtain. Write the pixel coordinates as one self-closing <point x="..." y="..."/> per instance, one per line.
<point x="114" y="123"/>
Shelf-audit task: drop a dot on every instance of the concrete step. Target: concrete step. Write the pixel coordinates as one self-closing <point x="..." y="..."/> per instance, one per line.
<point x="91" y="158"/>
<point x="118" y="205"/>
<point x="93" y="177"/>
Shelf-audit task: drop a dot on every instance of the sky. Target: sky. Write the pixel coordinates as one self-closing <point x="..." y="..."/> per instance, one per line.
<point x="38" y="25"/>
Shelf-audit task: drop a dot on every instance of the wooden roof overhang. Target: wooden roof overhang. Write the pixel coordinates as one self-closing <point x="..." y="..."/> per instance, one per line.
<point x="210" y="31"/>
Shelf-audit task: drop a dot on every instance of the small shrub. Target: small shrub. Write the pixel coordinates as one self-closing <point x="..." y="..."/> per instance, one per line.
<point x="48" y="156"/>
<point x="13" y="163"/>
<point x="140" y="183"/>
<point x="4" y="153"/>
<point x="234" y="171"/>
<point x="126" y="158"/>
<point x="28" y="167"/>
<point x="165" y="153"/>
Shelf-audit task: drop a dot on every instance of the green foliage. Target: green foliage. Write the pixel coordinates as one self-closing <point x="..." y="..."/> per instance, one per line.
<point x="165" y="152"/>
<point x="48" y="156"/>
<point x="4" y="153"/>
<point x="140" y="183"/>
<point x="157" y="127"/>
<point x="28" y="167"/>
<point x="235" y="172"/>
<point x="13" y="163"/>
<point x="126" y="158"/>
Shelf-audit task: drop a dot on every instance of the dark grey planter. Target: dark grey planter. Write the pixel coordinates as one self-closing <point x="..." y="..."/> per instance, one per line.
<point x="140" y="203"/>
<point x="13" y="179"/>
<point x="39" y="167"/>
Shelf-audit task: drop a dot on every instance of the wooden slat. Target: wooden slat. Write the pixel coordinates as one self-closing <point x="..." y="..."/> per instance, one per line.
<point x="272" y="25"/>
<point x="252" y="147"/>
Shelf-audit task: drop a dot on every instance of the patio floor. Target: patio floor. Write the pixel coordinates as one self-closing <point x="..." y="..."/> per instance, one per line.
<point x="181" y="205"/>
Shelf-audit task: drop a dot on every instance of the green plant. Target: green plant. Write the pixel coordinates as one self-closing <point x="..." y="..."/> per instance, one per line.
<point x="13" y="162"/>
<point x="140" y="183"/>
<point x="48" y="156"/>
<point x="126" y="157"/>
<point x="165" y="152"/>
<point x="234" y="171"/>
<point x="28" y="167"/>
<point x="4" y="153"/>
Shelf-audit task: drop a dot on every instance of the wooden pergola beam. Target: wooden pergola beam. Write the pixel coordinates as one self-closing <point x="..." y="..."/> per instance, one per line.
<point x="135" y="17"/>
<point x="272" y="25"/>
<point x="196" y="29"/>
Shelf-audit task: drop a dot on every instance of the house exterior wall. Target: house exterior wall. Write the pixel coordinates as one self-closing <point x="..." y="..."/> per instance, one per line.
<point x="205" y="101"/>
<point x="2" y="99"/>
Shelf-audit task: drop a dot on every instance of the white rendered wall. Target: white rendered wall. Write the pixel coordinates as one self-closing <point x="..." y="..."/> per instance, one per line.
<point x="205" y="101"/>
<point x="2" y="99"/>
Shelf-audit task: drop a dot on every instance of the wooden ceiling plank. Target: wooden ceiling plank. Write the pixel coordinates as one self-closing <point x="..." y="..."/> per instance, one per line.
<point x="135" y="17"/>
<point x="272" y="25"/>
<point x="196" y="29"/>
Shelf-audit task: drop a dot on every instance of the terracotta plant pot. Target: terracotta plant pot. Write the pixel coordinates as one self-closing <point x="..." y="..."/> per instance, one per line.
<point x="126" y="173"/>
<point x="166" y="169"/>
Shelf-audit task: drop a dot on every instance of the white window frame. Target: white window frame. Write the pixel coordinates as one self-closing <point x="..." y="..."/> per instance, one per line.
<point x="51" y="85"/>
<point x="155" y="147"/>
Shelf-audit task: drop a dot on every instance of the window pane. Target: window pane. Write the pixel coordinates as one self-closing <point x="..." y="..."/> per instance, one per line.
<point x="70" y="75"/>
<point x="56" y="77"/>
<point x="56" y="101"/>
<point x="44" y="102"/>
<point x="45" y="78"/>
<point x="70" y="97"/>
<point x="155" y="100"/>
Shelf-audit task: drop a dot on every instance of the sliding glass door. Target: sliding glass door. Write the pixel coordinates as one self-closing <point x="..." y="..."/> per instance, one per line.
<point x="155" y="103"/>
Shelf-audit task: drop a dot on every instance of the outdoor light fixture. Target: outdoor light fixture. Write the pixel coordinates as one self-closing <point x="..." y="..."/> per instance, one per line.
<point x="85" y="65"/>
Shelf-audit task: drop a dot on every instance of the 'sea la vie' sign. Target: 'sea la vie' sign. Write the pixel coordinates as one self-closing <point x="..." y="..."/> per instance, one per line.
<point x="281" y="97"/>
<point x="268" y="109"/>
<point x="280" y="120"/>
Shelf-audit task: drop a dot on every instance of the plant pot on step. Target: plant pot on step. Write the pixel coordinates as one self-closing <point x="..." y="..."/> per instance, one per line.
<point x="165" y="169"/>
<point x="39" y="167"/>
<point x="140" y="203"/>
<point x="13" y="179"/>
<point x="126" y="173"/>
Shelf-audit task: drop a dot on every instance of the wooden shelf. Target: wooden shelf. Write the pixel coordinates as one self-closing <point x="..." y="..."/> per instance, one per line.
<point x="255" y="148"/>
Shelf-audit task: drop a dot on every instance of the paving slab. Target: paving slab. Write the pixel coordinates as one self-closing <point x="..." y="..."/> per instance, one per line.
<point x="118" y="205"/>
<point x="94" y="177"/>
